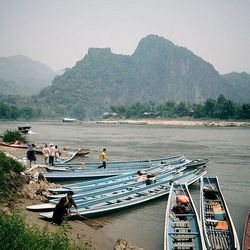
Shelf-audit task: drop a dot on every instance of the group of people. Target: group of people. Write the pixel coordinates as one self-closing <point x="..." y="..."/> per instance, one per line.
<point x="50" y="154"/>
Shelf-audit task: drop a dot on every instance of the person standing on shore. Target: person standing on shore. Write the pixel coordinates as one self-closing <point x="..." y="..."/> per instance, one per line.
<point x="103" y="158"/>
<point x="51" y="155"/>
<point x="31" y="155"/>
<point x="57" y="153"/>
<point x="46" y="154"/>
<point x="63" y="208"/>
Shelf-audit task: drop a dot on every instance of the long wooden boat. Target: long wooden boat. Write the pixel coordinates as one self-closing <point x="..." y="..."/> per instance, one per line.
<point x="132" y="196"/>
<point x="67" y="156"/>
<point x="111" y="164"/>
<point x="77" y="187"/>
<point x="246" y="235"/>
<point x="117" y="184"/>
<point x="109" y="171"/>
<point x="109" y="187"/>
<point x="218" y="228"/>
<point x="182" y="228"/>
<point x="13" y="145"/>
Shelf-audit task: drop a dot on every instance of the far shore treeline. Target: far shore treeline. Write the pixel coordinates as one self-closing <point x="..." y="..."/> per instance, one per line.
<point x="220" y="108"/>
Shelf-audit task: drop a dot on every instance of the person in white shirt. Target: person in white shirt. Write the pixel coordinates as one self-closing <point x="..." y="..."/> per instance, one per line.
<point x="51" y="155"/>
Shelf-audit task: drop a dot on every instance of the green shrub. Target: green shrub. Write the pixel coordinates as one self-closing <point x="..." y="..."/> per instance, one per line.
<point x="15" y="234"/>
<point x="8" y="164"/>
<point x="10" y="178"/>
<point x="13" y="135"/>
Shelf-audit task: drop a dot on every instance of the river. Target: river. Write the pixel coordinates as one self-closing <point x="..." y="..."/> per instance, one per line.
<point x="226" y="148"/>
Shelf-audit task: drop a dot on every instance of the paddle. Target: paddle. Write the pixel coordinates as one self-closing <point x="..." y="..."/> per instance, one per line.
<point x="85" y="218"/>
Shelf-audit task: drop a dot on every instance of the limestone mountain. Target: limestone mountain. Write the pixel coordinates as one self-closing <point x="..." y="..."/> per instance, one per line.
<point x="28" y="76"/>
<point x="157" y="71"/>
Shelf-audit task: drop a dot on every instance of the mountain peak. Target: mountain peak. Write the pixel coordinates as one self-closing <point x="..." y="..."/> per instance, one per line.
<point x="98" y="51"/>
<point x="152" y="44"/>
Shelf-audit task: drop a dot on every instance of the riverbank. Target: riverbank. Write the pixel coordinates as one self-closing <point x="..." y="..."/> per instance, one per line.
<point x="36" y="190"/>
<point x="176" y="122"/>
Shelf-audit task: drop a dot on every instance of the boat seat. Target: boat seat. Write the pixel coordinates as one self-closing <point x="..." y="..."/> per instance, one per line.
<point x="182" y="223"/>
<point x="190" y="234"/>
<point x="183" y="237"/>
<point x="182" y="230"/>
<point x="183" y="246"/>
<point x="124" y="199"/>
<point x="151" y="191"/>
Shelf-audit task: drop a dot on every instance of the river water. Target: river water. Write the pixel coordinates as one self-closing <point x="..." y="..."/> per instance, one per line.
<point x="226" y="148"/>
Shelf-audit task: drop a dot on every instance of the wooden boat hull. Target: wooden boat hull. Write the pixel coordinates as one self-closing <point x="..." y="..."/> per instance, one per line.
<point x="108" y="187"/>
<point x="218" y="228"/>
<point x="182" y="226"/>
<point x="41" y="207"/>
<point x="105" y="205"/>
<point x="100" y="173"/>
<point x="23" y="146"/>
<point x="24" y="129"/>
<point x="97" y="183"/>
<point x="69" y="156"/>
<point x="111" y="164"/>
<point x="246" y="235"/>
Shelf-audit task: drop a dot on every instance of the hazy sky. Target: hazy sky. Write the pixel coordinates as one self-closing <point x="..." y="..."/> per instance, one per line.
<point x="59" y="32"/>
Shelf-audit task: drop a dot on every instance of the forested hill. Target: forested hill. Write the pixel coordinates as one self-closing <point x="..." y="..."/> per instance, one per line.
<point x="240" y="81"/>
<point x="157" y="71"/>
<point x="21" y="75"/>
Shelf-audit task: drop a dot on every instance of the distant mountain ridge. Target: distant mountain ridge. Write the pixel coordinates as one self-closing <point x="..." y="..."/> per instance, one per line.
<point x="240" y="81"/>
<point x="27" y="75"/>
<point x="157" y="71"/>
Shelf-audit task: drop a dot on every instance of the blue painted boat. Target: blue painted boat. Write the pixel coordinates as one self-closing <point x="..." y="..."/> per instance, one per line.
<point x="217" y="224"/>
<point x="109" y="186"/>
<point x="182" y="228"/>
<point x="130" y="197"/>
<point x="110" y="171"/>
<point x="115" y="180"/>
<point x="65" y="157"/>
<point x="120" y="164"/>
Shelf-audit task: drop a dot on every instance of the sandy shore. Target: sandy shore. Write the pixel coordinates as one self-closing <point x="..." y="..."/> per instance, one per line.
<point x="177" y="122"/>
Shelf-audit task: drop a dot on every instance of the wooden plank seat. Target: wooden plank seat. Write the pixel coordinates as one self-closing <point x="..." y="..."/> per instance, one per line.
<point x="125" y="199"/>
<point x="186" y="238"/>
<point x="151" y="191"/>
<point x="184" y="246"/>
<point x="172" y="234"/>
<point x="182" y="230"/>
<point x="181" y="223"/>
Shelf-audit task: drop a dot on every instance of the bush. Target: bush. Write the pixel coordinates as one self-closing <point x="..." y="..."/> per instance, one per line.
<point x="8" y="164"/>
<point x="15" y="234"/>
<point x="10" y="178"/>
<point x="13" y="135"/>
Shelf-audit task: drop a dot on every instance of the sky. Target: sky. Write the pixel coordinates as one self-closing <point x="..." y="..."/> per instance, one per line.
<point x="59" y="33"/>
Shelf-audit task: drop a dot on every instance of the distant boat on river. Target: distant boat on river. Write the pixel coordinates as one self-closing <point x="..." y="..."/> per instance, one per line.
<point x="69" y="120"/>
<point x="24" y="129"/>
